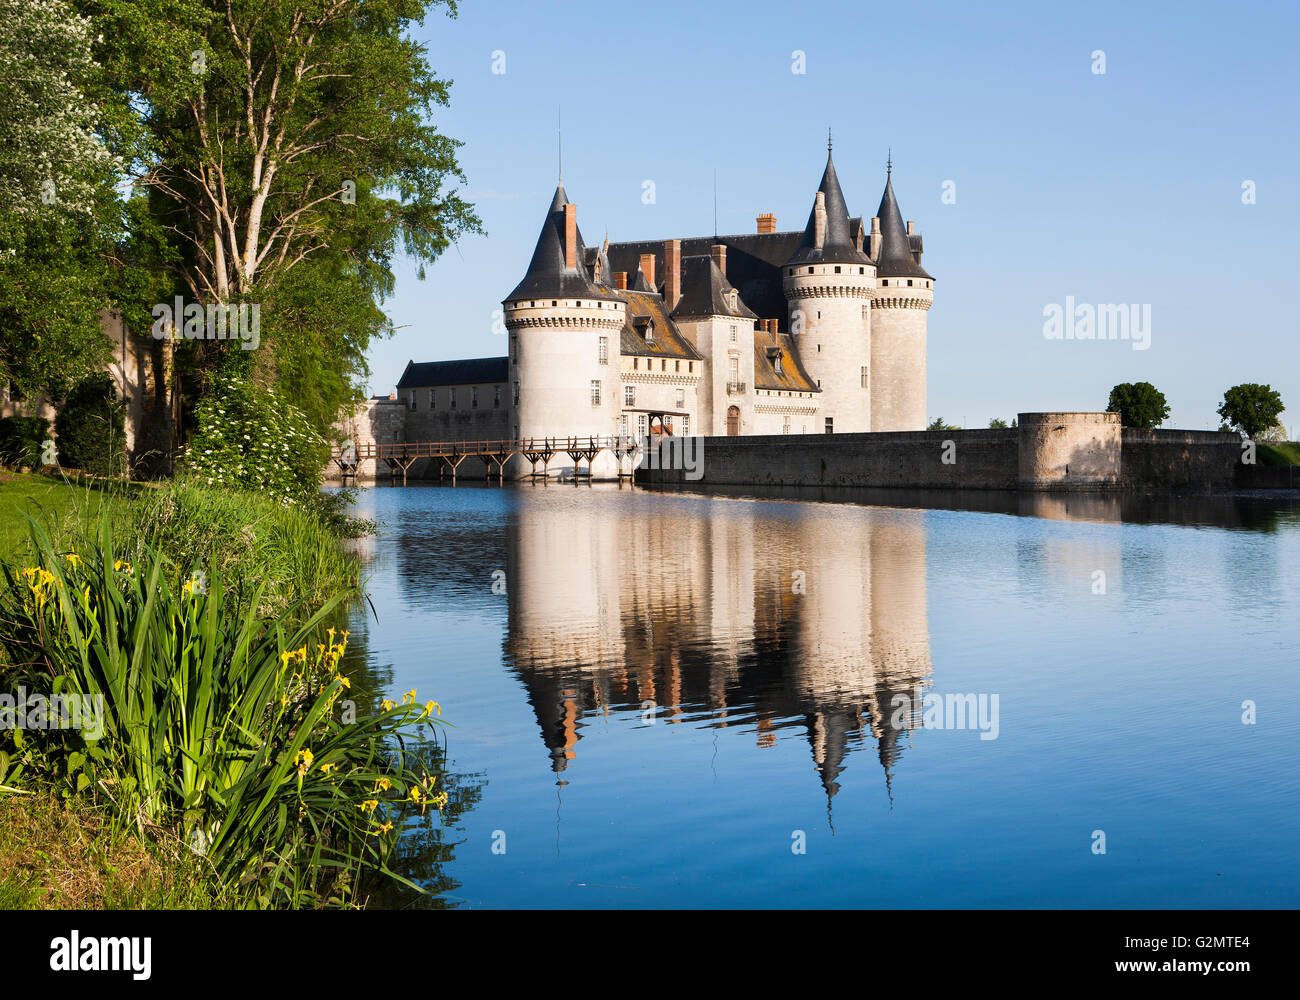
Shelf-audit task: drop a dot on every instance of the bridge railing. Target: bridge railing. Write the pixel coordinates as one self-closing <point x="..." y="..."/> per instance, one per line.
<point x="502" y="446"/>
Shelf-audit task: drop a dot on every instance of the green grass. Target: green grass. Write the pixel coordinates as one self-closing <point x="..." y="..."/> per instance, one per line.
<point x="69" y="855"/>
<point x="62" y="506"/>
<point x="1280" y="453"/>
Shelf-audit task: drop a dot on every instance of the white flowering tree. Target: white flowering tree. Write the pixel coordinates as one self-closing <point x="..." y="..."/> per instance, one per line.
<point x="51" y="155"/>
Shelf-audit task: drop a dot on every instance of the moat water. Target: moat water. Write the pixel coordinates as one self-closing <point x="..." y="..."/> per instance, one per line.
<point x="672" y="699"/>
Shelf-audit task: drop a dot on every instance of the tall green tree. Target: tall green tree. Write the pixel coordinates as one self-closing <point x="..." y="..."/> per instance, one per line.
<point x="1251" y="408"/>
<point x="1139" y="404"/>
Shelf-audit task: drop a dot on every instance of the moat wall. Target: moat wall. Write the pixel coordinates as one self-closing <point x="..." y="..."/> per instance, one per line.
<point x="1045" y="452"/>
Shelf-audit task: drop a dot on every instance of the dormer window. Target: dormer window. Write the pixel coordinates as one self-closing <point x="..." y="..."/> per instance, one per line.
<point x="650" y="332"/>
<point x="731" y="300"/>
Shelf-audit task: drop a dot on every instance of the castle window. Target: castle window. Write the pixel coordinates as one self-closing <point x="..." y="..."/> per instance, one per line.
<point x="412" y="399"/>
<point x="641" y="424"/>
<point x="864" y="376"/>
<point x="785" y="425"/>
<point x="909" y="282"/>
<point x="837" y="269"/>
<point x="451" y="395"/>
<point x="810" y="270"/>
<point x="636" y="363"/>
<point x="595" y="392"/>
<point x="496" y="395"/>
<point x="690" y="367"/>
<point x="686" y="425"/>
<point x="516" y="394"/>
<point x="681" y="397"/>
<point x="622" y="423"/>
<point x="554" y="303"/>
<point x="830" y="425"/>
<point x="677" y="366"/>
<point x="885" y="282"/>
<point x="604" y="350"/>
<point x="629" y="395"/>
<point x="862" y="270"/>
<point x="731" y="300"/>
<point x="733" y="334"/>
<point x="650" y="333"/>
<point x="578" y="303"/>
<point x="663" y="365"/>
<point x="864" y="311"/>
<point x="473" y="397"/>
<point x="514" y="349"/>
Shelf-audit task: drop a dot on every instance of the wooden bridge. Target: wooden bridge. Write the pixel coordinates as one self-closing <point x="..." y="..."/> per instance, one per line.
<point x="399" y="456"/>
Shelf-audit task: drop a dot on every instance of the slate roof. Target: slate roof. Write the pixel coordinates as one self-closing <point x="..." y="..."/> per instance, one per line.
<point x="754" y="262"/>
<point x="471" y="371"/>
<point x="838" y="245"/>
<point x="896" y="247"/>
<point x="668" y="340"/>
<point x="705" y="291"/>
<point x="547" y="277"/>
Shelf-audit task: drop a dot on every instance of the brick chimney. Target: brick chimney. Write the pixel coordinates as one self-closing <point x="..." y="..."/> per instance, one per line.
<point x="719" y="254"/>
<point x="620" y="280"/>
<point x="767" y="223"/>
<point x="672" y="273"/>
<point x="911" y="231"/>
<point x="648" y="268"/>
<point x="570" y="237"/>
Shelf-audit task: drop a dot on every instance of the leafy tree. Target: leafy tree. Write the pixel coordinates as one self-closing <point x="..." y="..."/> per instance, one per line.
<point x="1251" y="408"/>
<point x="998" y="424"/>
<point x="939" y="425"/>
<point x="1139" y="404"/>
<point x="90" y="427"/>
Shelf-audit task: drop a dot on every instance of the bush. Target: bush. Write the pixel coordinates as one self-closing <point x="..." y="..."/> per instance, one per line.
<point x="212" y="725"/>
<point x="91" y="428"/>
<point x="249" y="438"/>
<point x="22" y="440"/>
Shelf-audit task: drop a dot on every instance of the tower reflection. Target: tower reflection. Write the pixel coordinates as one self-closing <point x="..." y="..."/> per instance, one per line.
<point x="780" y="618"/>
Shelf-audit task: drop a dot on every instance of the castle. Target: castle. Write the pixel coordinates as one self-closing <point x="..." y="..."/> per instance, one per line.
<point x="819" y="330"/>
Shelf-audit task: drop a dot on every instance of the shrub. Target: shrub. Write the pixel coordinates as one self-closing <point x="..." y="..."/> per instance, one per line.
<point x="216" y="727"/>
<point x="91" y="427"/>
<point x="249" y="438"/>
<point x="22" y="440"/>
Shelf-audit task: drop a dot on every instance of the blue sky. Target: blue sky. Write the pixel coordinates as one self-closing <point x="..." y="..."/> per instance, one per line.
<point x="1122" y="187"/>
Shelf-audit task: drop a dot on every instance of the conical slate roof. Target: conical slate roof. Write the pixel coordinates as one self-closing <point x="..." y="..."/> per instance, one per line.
<point x="837" y="246"/>
<point x="896" y="260"/>
<point x="547" y="276"/>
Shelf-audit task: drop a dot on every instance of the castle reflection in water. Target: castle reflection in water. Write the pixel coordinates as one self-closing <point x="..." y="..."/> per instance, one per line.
<point x="764" y="616"/>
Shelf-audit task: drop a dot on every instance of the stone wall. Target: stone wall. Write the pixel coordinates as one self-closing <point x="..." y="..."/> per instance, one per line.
<point x="976" y="459"/>
<point x="1069" y="450"/>
<point x="1173" y="458"/>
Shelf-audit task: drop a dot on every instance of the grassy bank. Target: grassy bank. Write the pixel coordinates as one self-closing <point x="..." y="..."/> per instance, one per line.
<point x="1280" y="453"/>
<point x="228" y="765"/>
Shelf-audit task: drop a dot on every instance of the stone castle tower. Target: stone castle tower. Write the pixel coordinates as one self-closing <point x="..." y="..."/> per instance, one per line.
<point x="828" y="283"/>
<point x="563" y="328"/>
<point x="903" y="294"/>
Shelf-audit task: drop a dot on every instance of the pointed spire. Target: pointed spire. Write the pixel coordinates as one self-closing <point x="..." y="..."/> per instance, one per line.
<point x="547" y="275"/>
<point x="896" y="260"/>
<point x="837" y="242"/>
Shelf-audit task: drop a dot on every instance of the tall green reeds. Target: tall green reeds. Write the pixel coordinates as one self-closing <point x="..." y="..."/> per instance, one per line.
<point x="213" y="724"/>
